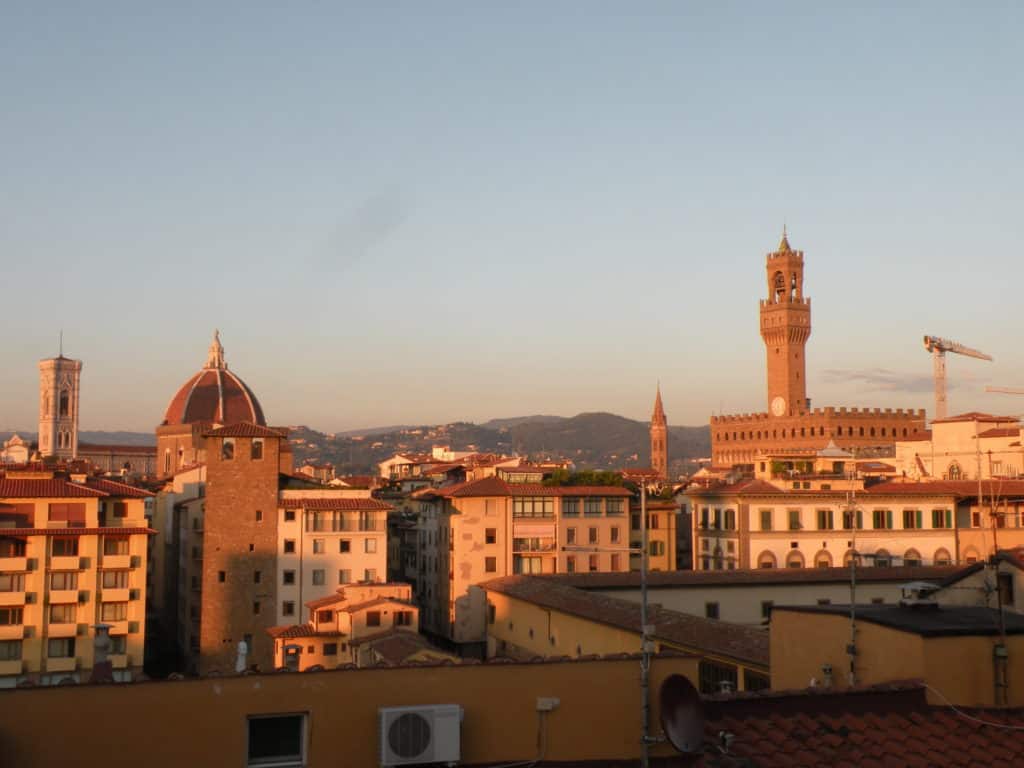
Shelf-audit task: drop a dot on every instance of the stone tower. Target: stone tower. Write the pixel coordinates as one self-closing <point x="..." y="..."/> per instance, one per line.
<point x="659" y="438"/>
<point x="785" y="328"/>
<point x="59" y="379"/>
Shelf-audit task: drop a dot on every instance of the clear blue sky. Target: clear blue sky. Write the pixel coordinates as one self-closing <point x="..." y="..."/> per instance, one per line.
<point x="422" y="212"/>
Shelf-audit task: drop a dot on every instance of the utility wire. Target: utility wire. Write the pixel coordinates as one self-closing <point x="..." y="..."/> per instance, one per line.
<point x="979" y="720"/>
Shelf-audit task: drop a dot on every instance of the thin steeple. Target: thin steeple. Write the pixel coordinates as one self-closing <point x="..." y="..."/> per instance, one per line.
<point x="784" y="243"/>
<point x="215" y="355"/>
<point x="659" y="409"/>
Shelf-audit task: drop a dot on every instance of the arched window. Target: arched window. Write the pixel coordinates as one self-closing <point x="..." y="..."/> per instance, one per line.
<point x="766" y="560"/>
<point x="904" y="431"/>
<point x="954" y="472"/>
<point x="942" y="557"/>
<point x="65" y="402"/>
<point x="872" y="431"/>
<point x="795" y="559"/>
<point x="862" y="431"/>
<point x="911" y="557"/>
<point x="823" y="560"/>
<point x="882" y="558"/>
<point x="848" y="557"/>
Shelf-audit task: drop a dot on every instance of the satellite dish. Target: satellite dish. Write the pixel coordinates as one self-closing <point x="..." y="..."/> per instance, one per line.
<point x="682" y="716"/>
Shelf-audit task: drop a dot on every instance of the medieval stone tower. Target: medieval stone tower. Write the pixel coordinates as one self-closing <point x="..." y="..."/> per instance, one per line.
<point x="785" y="328"/>
<point x="659" y="438"/>
<point x="59" y="379"/>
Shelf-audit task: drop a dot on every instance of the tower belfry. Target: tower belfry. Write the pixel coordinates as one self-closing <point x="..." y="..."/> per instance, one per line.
<point x="659" y="438"/>
<point x="785" y="328"/>
<point x="59" y="382"/>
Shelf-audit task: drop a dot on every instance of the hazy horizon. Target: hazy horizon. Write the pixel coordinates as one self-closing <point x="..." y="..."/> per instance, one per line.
<point x="418" y="215"/>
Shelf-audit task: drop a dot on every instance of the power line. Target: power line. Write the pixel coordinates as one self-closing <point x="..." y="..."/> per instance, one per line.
<point x="979" y="720"/>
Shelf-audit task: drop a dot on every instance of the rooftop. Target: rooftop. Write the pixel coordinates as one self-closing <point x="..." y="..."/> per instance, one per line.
<point x="925" y="620"/>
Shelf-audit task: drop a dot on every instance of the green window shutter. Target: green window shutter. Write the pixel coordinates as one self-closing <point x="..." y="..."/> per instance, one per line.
<point x="860" y="519"/>
<point x="949" y="518"/>
<point x="919" y="515"/>
<point x="888" y="518"/>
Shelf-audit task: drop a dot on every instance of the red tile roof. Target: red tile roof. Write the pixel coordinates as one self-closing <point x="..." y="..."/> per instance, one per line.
<point x="495" y="486"/>
<point x="338" y="504"/>
<point x="45" y="488"/>
<point x="320" y="602"/>
<point x="372" y="602"/>
<point x="1001" y="432"/>
<point x="974" y="416"/>
<point x="875" y="727"/>
<point x="119" y="490"/>
<point x="109" y="531"/>
<point x="299" y="630"/>
<point x="696" y="634"/>
<point x="214" y="395"/>
<point x="246" y="429"/>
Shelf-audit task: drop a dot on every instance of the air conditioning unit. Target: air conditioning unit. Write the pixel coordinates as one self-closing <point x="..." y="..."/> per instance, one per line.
<point x="30" y="598"/>
<point x="417" y="735"/>
<point x="133" y="627"/>
<point x="83" y="563"/>
<point x="136" y="561"/>
<point x="31" y="564"/>
<point x="82" y="630"/>
<point x="30" y="631"/>
<point x="83" y="596"/>
<point x="133" y="594"/>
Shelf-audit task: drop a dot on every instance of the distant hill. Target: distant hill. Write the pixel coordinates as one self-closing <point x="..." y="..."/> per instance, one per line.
<point x="590" y="440"/>
<point x="97" y="437"/>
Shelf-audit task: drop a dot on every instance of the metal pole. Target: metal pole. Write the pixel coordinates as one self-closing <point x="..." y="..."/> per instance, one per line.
<point x="645" y="658"/>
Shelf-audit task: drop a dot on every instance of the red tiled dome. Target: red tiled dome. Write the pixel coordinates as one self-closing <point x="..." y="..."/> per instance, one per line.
<point x="215" y="394"/>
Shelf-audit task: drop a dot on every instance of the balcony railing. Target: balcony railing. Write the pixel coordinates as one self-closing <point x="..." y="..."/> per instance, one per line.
<point x="338" y="526"/>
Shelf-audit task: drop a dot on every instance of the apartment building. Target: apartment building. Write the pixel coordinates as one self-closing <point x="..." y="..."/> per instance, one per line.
<point x="73" y="554"/>
<point x="475" y="531"/>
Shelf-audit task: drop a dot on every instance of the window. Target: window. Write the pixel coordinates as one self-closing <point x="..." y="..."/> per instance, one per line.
<point x="256" y="576"/>
<point x="881" y="519"/>
<point x="370" y="574"/>
<point x="318" y="577"/>
<point x="259" y="515"/>
<point x="289" y="546"/>
<point x="570" y="564"/>
<point x="851" y="518"/>
<point x="1005" y="584"/>
<point x="118" y="644"/>
<point x="370" y="546"/>
<point x="373" y="618"/>
<point x="730" y="520"/>
<point x="942" y="557"/>
<point x="911" y="557"/>
<point x="66" y="613"/>
<point x="288" y="608"/>
<point x="912" y="519"/>
<point x="257" y="449"/>
<point x="823" y="560"/>
<point x="277" y="740"/>
<point x="794" y="520"/>
<point x="616" y="562"/>
<point x="711" y="610"/>
<point x="755" y="681"/>
<point x="114" y="612"/>
<point x="330" y="649"/>
<point x="10" y="616"/>
<point x="57" y="581"/>
<point x="120" y="509"/>
<point x="12" y="548"/>
<point x="325" y="616"/>
<point x="345" y="576"/>
<point x="288" y="577"/>
<point x="766" y="560"/>
<point x="344" y="545"/>
<point x="490" y="535"/>
<point x="527" y="506"/>
<point x="592" y="507"/>
<point x="222" y="576"/>
<point x="289" y="515"/>
<point x="61" y="648"/>
<point x="766" y="519"/>
<point x="403" y="618"/>
<point x="657" y="548"/>
<point x="491" y="564"/>
<point x="66" y="546"/>
<point x="716" y="678"/>
<point x="10" y="650"/>
<point x="942" y="518"/>
<point x="227" y="449"/>
<point x="571" y="507"/>
<point x="614" y="536"/>
<point x="882" y="559"/>
<point x="613" y="507"/>
<point x="766" y="609"/>
<point x="256" y="607"/>
<point x="319" y="546"/>
<point x="794" y="560"/>
<point x="592" y="535"/>
<point x="824" y="519"/>
<point x="115" y="545"/>
<point x="634" y="522"/>
<point x="592" y="564"/>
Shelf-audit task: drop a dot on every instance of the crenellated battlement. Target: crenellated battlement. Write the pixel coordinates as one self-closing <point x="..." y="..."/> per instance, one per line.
<point x="827" y="413"/>
<point x="793" y="302"/>
<point x="780" y="255"/>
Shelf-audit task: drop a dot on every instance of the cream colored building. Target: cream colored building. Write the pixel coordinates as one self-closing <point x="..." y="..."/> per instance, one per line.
<point x="964" y="447"/>
<point x="73" y="553"/>
<point x="479" y="530"/>
<point x="59" y="385"/>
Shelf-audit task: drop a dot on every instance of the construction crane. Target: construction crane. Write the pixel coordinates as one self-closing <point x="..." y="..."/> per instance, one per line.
<point x="1005" y="390"/>
<point x="939" y="347"/>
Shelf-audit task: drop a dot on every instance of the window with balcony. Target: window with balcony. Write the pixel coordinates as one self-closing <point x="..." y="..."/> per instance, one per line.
<point x="912" y="519"/>
<point x="61" y="648"/>
<point x="10" y="616"/>
<point x="12" y="547"/>
<point x="115" y="545"/>
<point x="63" y="613"/>
<point x="65" y="546"/>
<point x="614" y="507"/>
<point x="62" y="581"/>
<point x="526" y="506"/>
<point x="571" y="507"/>
<point x="114" y="612"/>
<point x="12" y="582"/>
<point x="942" y="518"/>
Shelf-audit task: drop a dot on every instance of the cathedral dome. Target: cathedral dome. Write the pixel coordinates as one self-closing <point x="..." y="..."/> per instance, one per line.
<point x="214" y="394"/>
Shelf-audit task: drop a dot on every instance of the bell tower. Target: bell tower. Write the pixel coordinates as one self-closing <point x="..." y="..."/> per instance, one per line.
<point x="59" y="379"/>
<point x="659" y="438"/>
<point x="785" y="328"/>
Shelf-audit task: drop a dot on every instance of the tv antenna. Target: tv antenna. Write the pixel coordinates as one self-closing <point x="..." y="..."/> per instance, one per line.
<point x="682" y="715"/>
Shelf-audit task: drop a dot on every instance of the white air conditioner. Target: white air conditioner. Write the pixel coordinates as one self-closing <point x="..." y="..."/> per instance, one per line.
<point x="416" y="735"/>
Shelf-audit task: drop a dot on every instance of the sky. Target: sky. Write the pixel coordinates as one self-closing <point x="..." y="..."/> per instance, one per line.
<point x="404" y="212"/>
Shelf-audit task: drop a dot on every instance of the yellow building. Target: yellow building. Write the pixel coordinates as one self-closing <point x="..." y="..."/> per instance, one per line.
<point x="528" y="617"/>
<point x="662" y="530"/>
<point x="957" y="650"/>
<point x="73" y="555"/>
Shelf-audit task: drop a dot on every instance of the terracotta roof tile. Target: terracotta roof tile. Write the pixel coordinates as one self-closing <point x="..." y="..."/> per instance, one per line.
<point x="119" y="490"/>
<point x="109" y="531"/>
<point x="46" y="488"/>
<point x="299" y="630"/>
<point x="339" y="504"/>
<point x="246" y="429"/>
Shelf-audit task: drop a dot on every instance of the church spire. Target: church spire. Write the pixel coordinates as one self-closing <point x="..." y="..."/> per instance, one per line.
<point x="659" y="410"/>
<point x="215" y="355"/>
<point x="784" y="243"/>
<point x="659" y="438"/>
